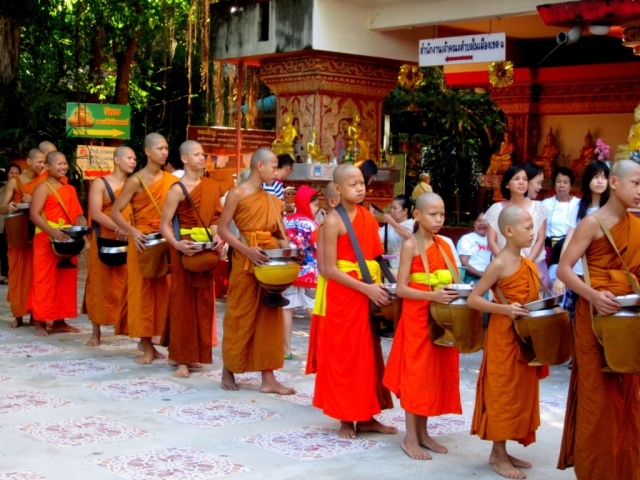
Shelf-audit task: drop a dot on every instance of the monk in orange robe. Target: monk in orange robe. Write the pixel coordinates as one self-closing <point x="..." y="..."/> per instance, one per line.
<point x="53" y="294"/>
<point x="105" y="306"/>
<point x="252" y="338"/>
<point x="601" y="437"/>
<point x="191" y="304"/>
<point x="507" y="395"/>
<point x="147" y="298"/>
<point x="348" y="384"/>
<point x="20" y="190"/>
<point x="425" y="377"/>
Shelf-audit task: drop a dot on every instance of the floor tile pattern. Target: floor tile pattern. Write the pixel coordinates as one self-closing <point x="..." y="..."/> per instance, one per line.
<point x="138" y="388"/>
<point x="6" y="335"/>
<point x="552" y="404"/>
<point x="303" y="396"/>
<point x="31" y="349"/>
<point x="75" y="368"/>
<point x="26" y="400"/>
<point x="216" y="414"/>
<point x="22" y="475"/>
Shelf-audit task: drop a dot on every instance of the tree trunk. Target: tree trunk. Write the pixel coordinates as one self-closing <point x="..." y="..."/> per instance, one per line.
<point x="124" y="59"/>
<point x="95" y="66"/>
<point x="9" y="54"/>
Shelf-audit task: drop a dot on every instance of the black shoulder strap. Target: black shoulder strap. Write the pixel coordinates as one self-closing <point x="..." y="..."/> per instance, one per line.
<point x="186" y="194"/>
<point x="112" y="197"/>
<point x="362" y="263"/>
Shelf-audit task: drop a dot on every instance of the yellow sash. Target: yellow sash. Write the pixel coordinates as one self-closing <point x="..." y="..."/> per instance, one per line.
<point x="320" y="305"/>
<point x="198" y="234"/>
<point x="60" y="224"/>
<point x="437" y="279"/>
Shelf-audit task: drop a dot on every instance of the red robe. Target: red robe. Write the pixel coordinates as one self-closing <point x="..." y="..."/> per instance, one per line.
<point x="349" y="378"/>
<point x="54" y="291"/>
<point x="425" y="377"/>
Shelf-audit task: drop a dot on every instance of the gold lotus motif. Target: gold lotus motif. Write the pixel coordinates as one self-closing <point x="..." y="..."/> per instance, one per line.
<point x="410" y="77"/>
<point x="501" y="74"/>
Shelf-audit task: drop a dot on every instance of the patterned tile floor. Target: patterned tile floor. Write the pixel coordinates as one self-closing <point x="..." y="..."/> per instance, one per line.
<point x="26" y="400"/>
<point x="216" y="414"/>
<point x="75" y="368"/>
<point x="137" y="389"/>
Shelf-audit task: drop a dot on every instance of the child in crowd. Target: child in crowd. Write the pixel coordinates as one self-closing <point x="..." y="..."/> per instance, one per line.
<point x="285" y="167"/>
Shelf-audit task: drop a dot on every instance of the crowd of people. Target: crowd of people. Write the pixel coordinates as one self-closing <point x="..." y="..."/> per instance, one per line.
<point x="341" y="269"/>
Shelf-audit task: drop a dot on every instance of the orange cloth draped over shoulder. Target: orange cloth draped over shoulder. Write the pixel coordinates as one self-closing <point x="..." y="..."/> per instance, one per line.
<point x="425" y="377"/>
<point x="507" y="395"/>
<point x="349" y="360"/>
<point x="601" y="436"/>
<point x="191" y="309"/>
<point x="252" y="338"/>
<point x="147" y="298"/>
<point x="316" y="320"/>
<point x="21" y="258"/>
<point x="105" y="292"/>
<point x="54" y="291"/>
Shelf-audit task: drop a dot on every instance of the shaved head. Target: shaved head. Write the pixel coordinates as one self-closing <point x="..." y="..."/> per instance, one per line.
<point x="244" y="174"/>
<point x="262" y="155"/>
<point x="623" y="168"/>
<point x="121" y="151"/>
<point x="342" y="171"/>
<point x="187" y="146"/>
<point x="51" y="156"/>
<point x="512" y="215"/>
<point x="426" y="199"/>
<point x="34" y="152"/>
<point x="330" y="193"/>
<point x="151" y="139"/>
<point x="47" y="147"/>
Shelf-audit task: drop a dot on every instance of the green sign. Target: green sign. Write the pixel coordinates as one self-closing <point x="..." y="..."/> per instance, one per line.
<point x="96" y="120"/>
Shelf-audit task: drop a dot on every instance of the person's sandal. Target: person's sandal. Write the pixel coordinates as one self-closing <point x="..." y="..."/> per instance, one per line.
<point x="288" y="357"/>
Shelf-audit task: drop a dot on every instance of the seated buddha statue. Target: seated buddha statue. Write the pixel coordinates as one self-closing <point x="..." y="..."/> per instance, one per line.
<point x="284" y="142"/>
<point x="587" y="153"/>
<point x="501" y="160"/>
<point x="313" y="148"/>
<point x="547" y="158"/>
<point x="360" y="146"/>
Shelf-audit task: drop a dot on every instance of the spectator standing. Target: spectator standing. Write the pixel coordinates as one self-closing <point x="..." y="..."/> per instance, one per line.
<point x="473" y="248"/>
<point x="285" y="167"/>
<point x="398" y="228"/>
<point x="423" y="186"/>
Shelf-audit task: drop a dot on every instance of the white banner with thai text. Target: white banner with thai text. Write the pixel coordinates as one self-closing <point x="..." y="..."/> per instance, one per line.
<point x="483" y="47"/>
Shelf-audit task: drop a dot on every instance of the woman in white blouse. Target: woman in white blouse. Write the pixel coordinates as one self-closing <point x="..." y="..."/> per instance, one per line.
<point x="399" y="226"/>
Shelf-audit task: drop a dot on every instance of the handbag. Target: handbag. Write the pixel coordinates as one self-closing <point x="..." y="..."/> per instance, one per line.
<point x="618" y="334"/>
<point x="153" y="260"/>
<point x="113" y="253"/>
<point x="453" y="325"/>
<point x="200" y="267"/>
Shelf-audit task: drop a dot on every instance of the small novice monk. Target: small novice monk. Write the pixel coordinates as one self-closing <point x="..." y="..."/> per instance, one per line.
<point x="425" y="377"/>
<point x="507" y="396"/>
<point x="54" y="291"/>
<point x="348" y="384"/>
<point x="601" y="437"/>
<point x="190" y="305"/>
<point x="104" y="306"/>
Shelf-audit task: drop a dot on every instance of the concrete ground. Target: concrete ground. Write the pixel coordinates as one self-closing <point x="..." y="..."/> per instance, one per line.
<point x="73" y="412"/>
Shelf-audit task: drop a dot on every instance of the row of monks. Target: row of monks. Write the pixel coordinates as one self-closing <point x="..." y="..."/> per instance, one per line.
<point x="602" y="425"/>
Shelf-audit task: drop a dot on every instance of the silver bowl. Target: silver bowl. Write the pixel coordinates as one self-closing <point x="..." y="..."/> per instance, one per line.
<point x="463" y="289"/>
<point x="390" y="287"/>
<point x="204" y="245"/>
<point x="632" y="300"/>
<point x="22" y="206"/>
<point x="76" y="231"/>
<point x="154" y="239"/>
<point x="114" y="250"/>
<point x="545" y="303"/>
<point x="282" y="253"/>
<point x="543" y="312"/>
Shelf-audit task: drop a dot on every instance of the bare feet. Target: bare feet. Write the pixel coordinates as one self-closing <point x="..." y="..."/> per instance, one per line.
<point x="60" y="326"/>
<point x="427" y="442"/>
<point x="17" y="323"/>
<point x="148" y="352"/>
<point x="271" y="385"/>
<point x="347" y="430"/>
<point x="228" y="381"/>
<point x="516" y="462"/>
<point x="506" y="469"/>
<point x="414" y="451"/>
<point x="182" y="371"/>
<point x="189" y="365"/>
<point x="94" y="341"/>
<point x="375" y="426"/>
<point x="41" y="329"/>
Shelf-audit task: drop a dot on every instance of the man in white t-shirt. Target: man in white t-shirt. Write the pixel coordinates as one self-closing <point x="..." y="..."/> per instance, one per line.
<point x="473" y="248"/>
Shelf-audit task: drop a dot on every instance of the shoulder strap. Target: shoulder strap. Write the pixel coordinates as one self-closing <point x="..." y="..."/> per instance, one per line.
<point x="112" y="197"/>
<point x="206" y="227"/>
<point x="605" y="229"/>
<point x="146" y="189"/>
<point x="362" y="263"/>
<point x="501" y="296"/>
<point x="422" y="249"/>
<point x="450" y="266"/>
<point x="283" y="232"/>
<point x="53" y="190"/>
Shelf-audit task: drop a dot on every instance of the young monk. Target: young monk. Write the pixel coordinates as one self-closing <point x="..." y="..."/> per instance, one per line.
<point x="53" y="294"/>
<point x="602" y="425"/>
<point x="507" y="395"/>
<point x="19" y="190"/>
<point x="147" y="298"/>
<point x="104" y="306"/>
<point x="190" y="307"/>
<point x="253" y="337"/>
<point x="349" y="358"/>
<point x="425" y="377"/>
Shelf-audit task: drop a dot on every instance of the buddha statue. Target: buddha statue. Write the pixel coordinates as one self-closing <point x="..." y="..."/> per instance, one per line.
<point x="313" y="149"/>
<point x="623" y="151"/>
<point x="284" y="142"/>
<point x="587" y="153"/>
<point x="547" y="158"/>
<point x="358" y="148"/>
<point x="501" y="160"/>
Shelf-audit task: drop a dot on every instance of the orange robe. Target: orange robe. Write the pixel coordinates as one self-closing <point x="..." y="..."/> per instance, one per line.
<point x="54" y="291"/>
<point x="105" y="292"/>
<point x="348" y="383"/>
<point x="21" y="258"/>
<point x="191" y="309"/>
<point x="147" y="298"/>
<point x="602" y="424"/>
<point x="425" y="377"/>
<point x="507" y="395"/>
<point x="312" y="364"/>
<point x="252" y="338"/>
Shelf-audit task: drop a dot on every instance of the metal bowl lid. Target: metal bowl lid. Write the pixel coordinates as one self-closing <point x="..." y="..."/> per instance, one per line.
<point x="544" y="303"/>
<point x="282" y="253"/>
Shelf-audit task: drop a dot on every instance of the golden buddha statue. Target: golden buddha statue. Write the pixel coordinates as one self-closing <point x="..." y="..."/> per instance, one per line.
<point x="284" y="142"/>
<point x="587" y="153"/>
<point x="501" y="160"/>
<point x="623" y="151"/>
<point x="358" y="148"/>
<point x="547" y="158"/>
<point x="313" y="149"/>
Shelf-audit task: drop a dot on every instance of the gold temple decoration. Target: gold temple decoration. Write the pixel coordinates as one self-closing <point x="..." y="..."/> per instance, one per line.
<point x="501" y="74"/>
<point x="410" y="77"/>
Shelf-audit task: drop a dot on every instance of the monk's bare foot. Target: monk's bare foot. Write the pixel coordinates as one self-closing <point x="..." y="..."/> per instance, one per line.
<point x="94" y="341"/>
<point x="228" y="381"/>
<point x="41" y="329"/>
<point x="427" y="442"/>
<point x="516" y="462"/>
<point x="375" y="426"/>
<point x="17" y="323"/>
<point x="271" y="385"/>
<point x="182" y="371"/>
<point x="412" y="448"/>
<point x="189" y="365"/>
<point x="155" y="340"/>
<point x="60" y="326"/>
<point x="148" y="351"/>
<point x="347" y="430"/>
<point x="157" y="354"/>
<point x="503" y="467"/>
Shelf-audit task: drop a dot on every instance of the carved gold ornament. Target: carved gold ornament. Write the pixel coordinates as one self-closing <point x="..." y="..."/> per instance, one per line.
<point x="410" y="77"/>
<point x="501" y="74"/>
